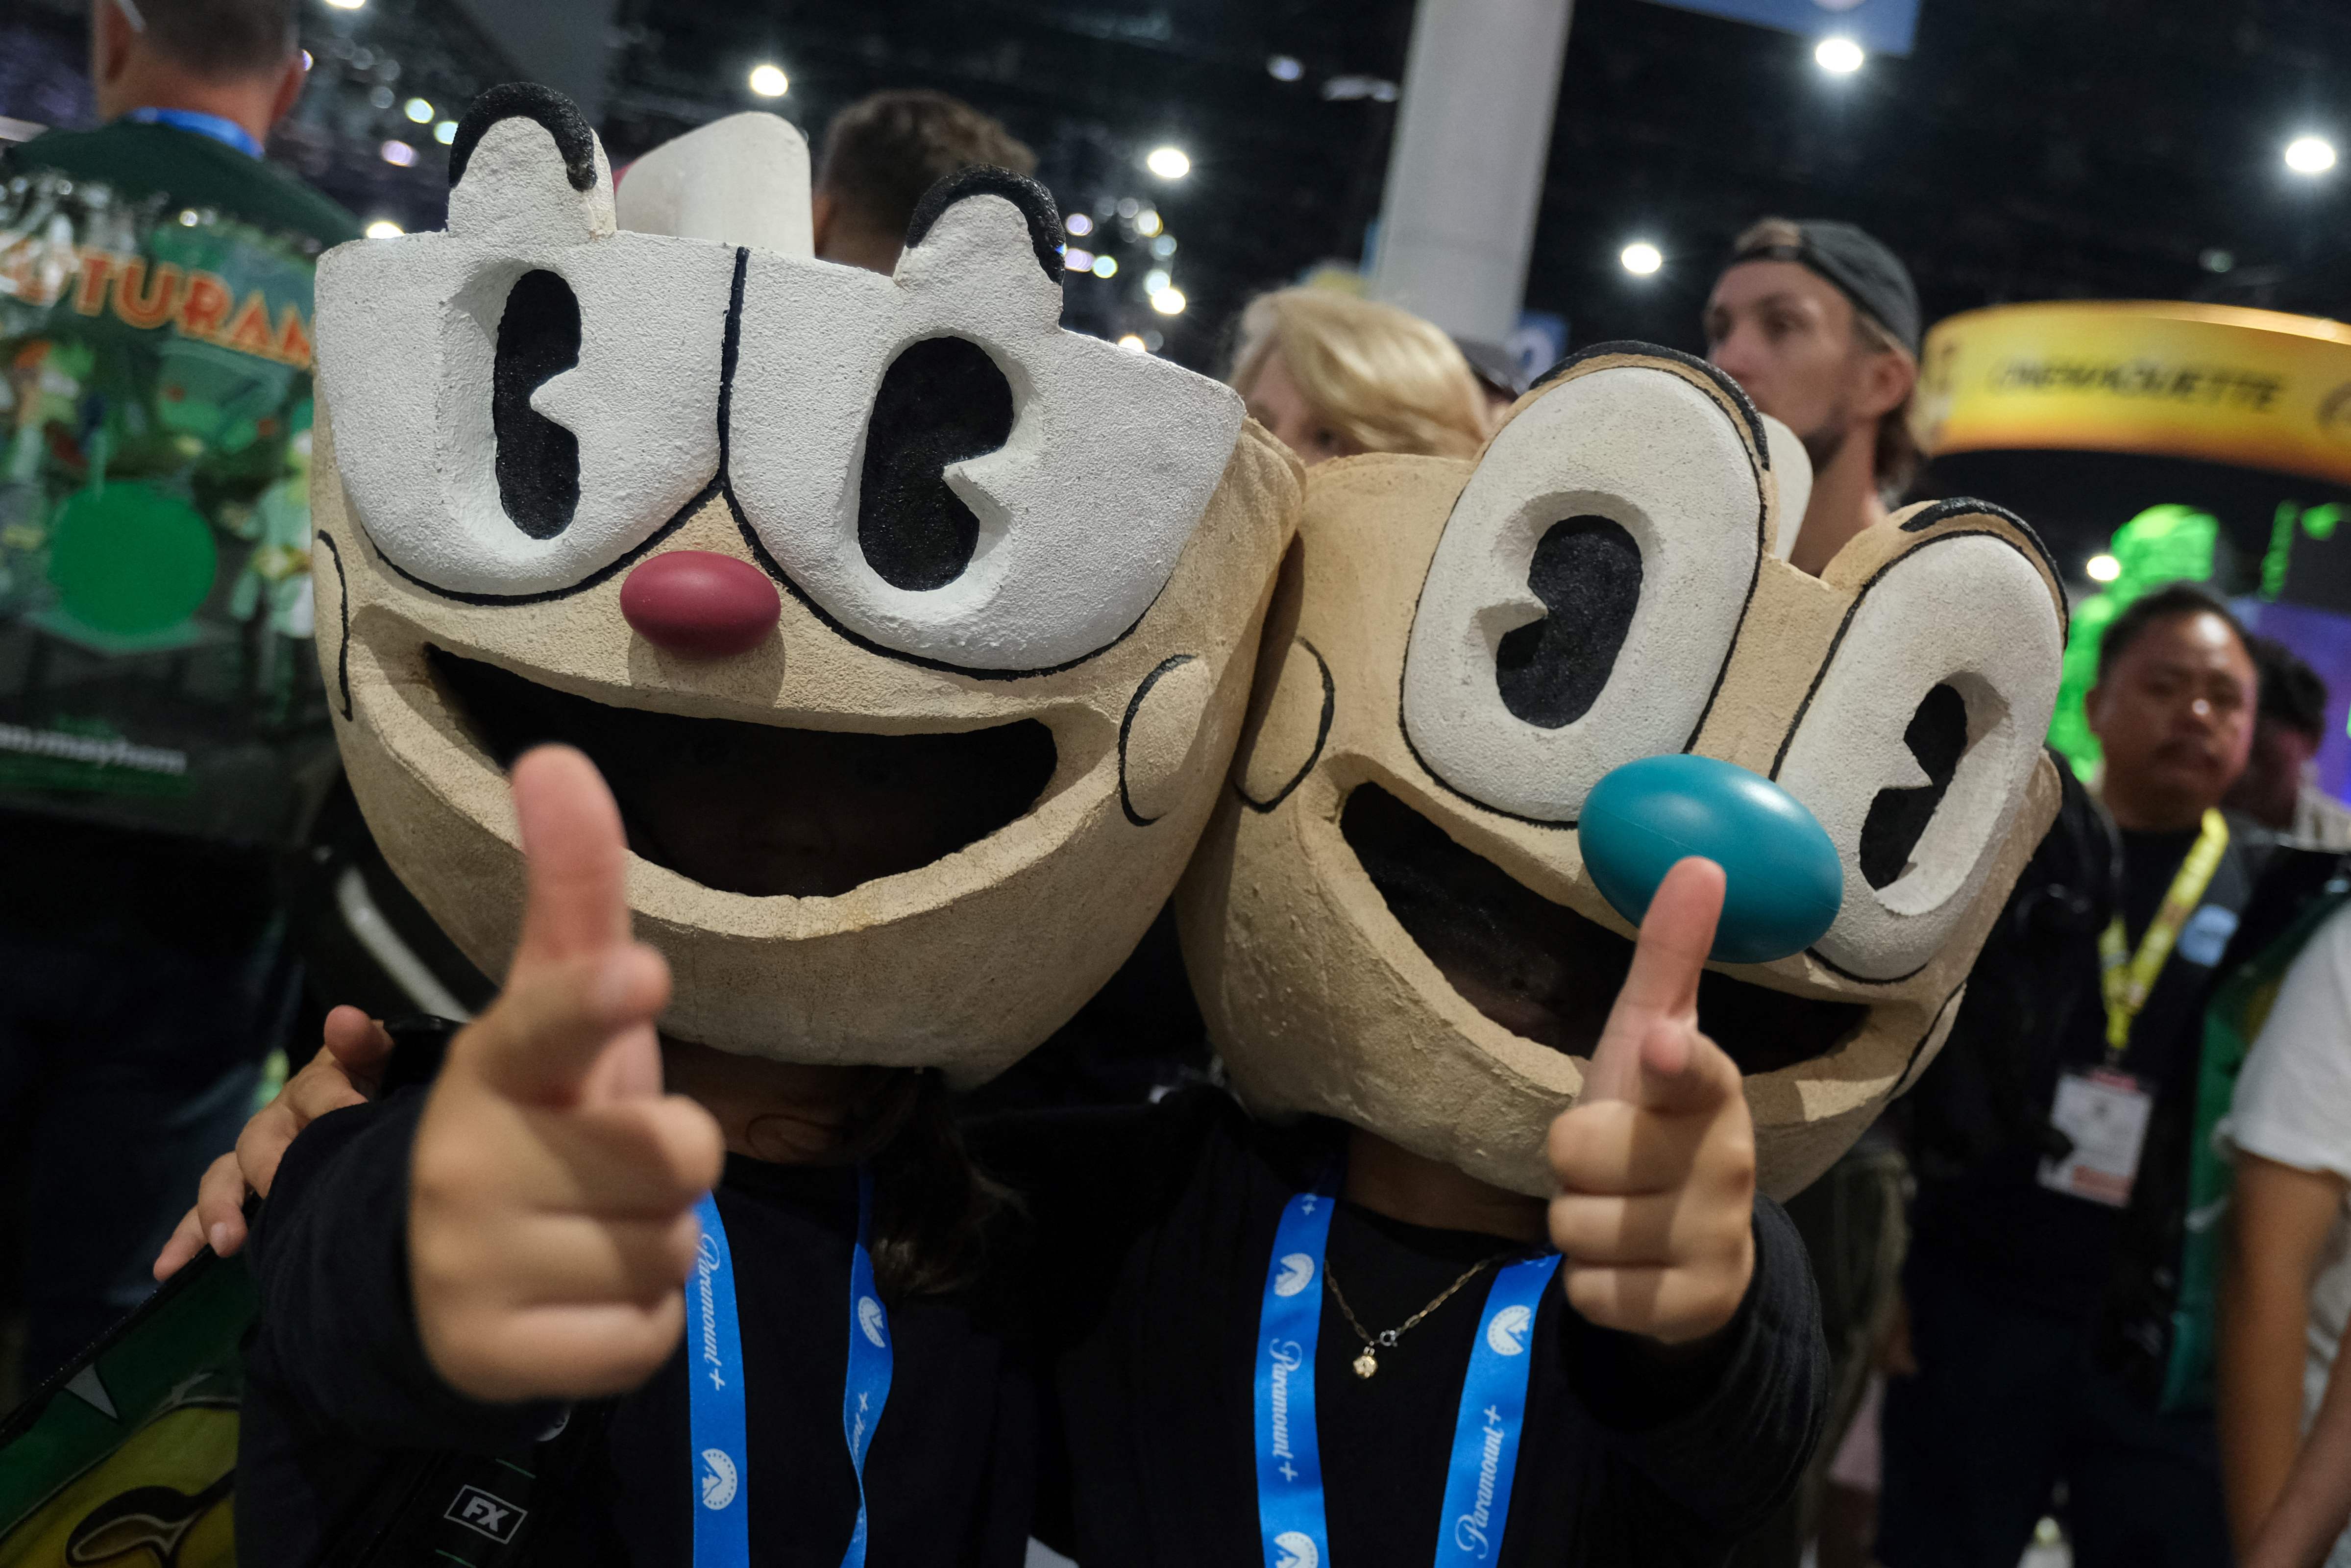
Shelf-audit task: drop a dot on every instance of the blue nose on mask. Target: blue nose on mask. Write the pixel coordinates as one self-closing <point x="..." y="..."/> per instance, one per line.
<point x="1782" y="878"/>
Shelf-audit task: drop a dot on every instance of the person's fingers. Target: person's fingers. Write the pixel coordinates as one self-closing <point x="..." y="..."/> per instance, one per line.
<point x="543" y="1038"/>
<point x="575" y="900"/>
<point x="1653" y="1229"/>
<point x="220" y="1204"/>
<point x="641" y="1159"/>
<point x="1668" y="959"/>
<point x="1617" y="1146"/>
<point x="359" y="1045"/>
<point x="1672" y="1304"/>
<point x="571" y="1351"/>
<point x="1684" y="1074"/>
<point x="575" y="1259"/>
<point x="187" y="1240"/>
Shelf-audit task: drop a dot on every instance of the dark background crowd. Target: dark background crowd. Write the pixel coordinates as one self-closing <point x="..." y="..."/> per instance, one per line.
<point x="2006" y="1331"/>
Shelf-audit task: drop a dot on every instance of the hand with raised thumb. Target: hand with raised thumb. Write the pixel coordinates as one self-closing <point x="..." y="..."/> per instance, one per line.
<point x="552" y="1187"/>
<point x="1656" y="1162"/>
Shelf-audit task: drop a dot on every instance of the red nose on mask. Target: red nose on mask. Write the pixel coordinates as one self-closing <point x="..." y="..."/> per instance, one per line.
<point x="700" y="603"/>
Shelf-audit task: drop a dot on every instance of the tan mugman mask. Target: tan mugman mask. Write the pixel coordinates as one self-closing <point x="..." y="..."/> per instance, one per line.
<point x="1390" y="920"/>
<point x="912" y="632"/>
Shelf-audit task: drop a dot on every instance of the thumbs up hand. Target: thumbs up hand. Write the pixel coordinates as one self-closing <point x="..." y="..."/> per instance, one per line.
<point x="551" y="1189"/>
<point x="1656" y="1162"/>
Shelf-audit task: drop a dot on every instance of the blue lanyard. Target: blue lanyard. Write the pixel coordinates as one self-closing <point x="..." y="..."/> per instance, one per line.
<point x="1291" y="1520"/>
<point x="718" y="1456"/>
<point x="223" y="131"/>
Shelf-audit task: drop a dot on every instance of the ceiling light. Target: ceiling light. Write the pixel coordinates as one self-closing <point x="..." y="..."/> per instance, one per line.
<point x="383" y="228"/>
<point x="1285" y="68"/>
<point x="2310" y="155"/>
<point x="1169" y="302"/>
<point x="398" y="153"/>
<point x="445" y="132"/>
<point x="2102" y="569"/>
<point x="1079" y="224"/>
<point x="1075" y="258"/>
<point x="1641" y="258"/>
<point x="347" y="4"/>
<point x="1838" y="55"/>
<point x="1168" y="163"/>
<point x="1146" y="223"/>
<point x="768" y="80"/>
<point x="1134" y="345"/>
<point x="417" y="110"/>
<point x="1106" y="267"/>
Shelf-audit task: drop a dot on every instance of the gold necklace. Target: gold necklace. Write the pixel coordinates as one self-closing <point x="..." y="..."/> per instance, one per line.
<point x="1368" y="1363"/>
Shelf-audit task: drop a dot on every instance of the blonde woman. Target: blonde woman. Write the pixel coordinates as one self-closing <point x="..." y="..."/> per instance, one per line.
<point x="1332" y="375"/>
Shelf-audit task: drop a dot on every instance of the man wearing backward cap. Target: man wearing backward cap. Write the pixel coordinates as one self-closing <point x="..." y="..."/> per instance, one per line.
<point x="1819" y="323"/>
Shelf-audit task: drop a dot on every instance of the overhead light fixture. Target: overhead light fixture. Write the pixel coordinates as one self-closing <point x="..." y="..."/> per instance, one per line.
<point x="1079" y="224"/>
<point x="1106" y="267"/>
<point x="2103" y="568"/>
<point x="2310" y="155"/>
<point x="347" y="4"/>
<point x="445" y="132"/>
<point x="385" y="228"/>
<point x="1641" y="258"/>
<point x="768" y="80"/>
<point x="1285" y="68"/>
<point x="1075" y="258"/>
<point x="1134" y="344"/>
<point x="1838" y="55"/>
<point x="1168" y="163"/>
<point x="417" y="110"/>
<point x="1169" y="302"/>
<point x="398" y="154"/>
<point x="1146" y="223"/>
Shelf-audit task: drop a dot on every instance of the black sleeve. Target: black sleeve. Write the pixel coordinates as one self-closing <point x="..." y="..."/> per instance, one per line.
<point x="337" y="1332"/>
<point x="1725" y="1435"/>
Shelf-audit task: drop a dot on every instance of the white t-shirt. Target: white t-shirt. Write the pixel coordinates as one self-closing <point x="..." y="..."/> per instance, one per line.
<point x="2293" y="1105"/>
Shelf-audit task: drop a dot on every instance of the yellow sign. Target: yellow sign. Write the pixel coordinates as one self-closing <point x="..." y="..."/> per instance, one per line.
<point x="2211" y="382"/>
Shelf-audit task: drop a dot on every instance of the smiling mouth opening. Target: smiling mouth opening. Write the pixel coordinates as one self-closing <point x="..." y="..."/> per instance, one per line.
<point x="1539" y="969"/>
<point x="759" y="809"/>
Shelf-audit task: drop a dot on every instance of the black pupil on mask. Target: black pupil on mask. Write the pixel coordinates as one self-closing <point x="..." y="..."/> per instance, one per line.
<point x="943" y="401"/>
<point x="1587" y="572"/>
<point x="1897" y="819"/>
<point x="539" y="460"/>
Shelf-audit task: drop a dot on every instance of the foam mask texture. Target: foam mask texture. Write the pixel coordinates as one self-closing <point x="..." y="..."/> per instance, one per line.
<point x="1389" y="920"/>
<point x="516" y="413"/>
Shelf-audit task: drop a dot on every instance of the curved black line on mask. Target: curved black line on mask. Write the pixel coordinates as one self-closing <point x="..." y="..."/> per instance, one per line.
<point x="1713" y="373"/>
<point x="344" y="604"/>
<point x="1035" y="202"/>
<point x="1126" y="728"/>
<point x="528" y="101"/>
<point x="1321" y="736"/>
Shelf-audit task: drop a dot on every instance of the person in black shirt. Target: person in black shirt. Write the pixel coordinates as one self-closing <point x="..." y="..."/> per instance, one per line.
<point x="2040" y="1278"/>
<point x="544" y="1186"/>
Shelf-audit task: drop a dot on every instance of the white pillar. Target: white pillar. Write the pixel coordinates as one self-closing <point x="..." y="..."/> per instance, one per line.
<point x="1465" y="176"/>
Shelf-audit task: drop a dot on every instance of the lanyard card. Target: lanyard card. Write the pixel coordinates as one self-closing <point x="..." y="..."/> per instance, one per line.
<point x="2106" y="1114"/>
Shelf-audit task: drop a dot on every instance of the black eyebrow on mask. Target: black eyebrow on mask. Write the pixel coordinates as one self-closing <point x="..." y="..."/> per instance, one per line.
<point x="555" y="113"/>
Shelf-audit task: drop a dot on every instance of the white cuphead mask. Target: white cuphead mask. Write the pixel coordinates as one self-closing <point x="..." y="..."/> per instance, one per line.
<point x="1390" y="920"/>
<point x="913" y="632"/>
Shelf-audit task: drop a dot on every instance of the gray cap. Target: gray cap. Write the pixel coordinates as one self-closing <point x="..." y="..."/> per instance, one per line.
<point x="1861" y="268"/>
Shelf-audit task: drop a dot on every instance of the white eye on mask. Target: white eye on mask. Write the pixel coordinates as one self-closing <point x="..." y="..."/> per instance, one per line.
<point x="907" y="450"/>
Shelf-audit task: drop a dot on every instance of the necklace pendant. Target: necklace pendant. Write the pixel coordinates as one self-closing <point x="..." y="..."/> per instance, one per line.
<point x="1365" y="1363"/>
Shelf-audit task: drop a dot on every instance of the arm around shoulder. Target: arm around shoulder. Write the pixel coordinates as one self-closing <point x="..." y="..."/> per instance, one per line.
<point x="338" y="1331"/>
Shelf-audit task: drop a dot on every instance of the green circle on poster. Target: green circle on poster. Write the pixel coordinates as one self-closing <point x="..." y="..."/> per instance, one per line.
<point x="130" y="560"/>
